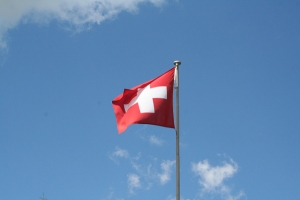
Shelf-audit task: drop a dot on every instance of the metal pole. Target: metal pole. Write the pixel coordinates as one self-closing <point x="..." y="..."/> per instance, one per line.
<point x="177" y="63"/>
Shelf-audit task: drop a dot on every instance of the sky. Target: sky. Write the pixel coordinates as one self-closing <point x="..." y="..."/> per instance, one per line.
<point x="62" y="62"/>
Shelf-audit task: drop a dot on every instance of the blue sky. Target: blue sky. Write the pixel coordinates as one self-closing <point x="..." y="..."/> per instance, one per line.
<point x="63" y="61"/>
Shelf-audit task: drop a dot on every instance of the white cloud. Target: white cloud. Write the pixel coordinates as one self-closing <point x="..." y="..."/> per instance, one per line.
<point x="145" y="173"/>
<point x="212" y="178"/>
<point x="154" y="140"/>
<point x="166" y="167"/>
<point x="123" y="153"/>
<point x="120" y="153"/>
<point x="133" y="182"/>
<point x="75" y="12"/>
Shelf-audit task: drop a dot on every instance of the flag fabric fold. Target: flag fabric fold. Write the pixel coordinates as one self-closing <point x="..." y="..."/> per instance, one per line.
<point x="148" y="103"/>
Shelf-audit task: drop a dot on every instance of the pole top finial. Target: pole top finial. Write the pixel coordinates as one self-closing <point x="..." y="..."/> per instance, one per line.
<point x="177" y="63"/>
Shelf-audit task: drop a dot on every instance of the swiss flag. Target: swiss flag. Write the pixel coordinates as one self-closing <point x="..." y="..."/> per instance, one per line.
<point x="148" y="103"/>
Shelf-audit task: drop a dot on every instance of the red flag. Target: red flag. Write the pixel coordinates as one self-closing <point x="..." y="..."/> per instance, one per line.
<point x="148" y="103"/>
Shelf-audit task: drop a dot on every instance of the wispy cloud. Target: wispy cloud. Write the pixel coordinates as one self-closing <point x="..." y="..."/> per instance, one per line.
<point x="156" y="141"/>
<point x="120" y="153"/>
<point x="133" y="182"/>
<point x="212" y="178"/>
<point x="166" y="166"/>
<point x="147" y="173"/>
<point x="111" y="195"/>
<point x="74" y="12"/>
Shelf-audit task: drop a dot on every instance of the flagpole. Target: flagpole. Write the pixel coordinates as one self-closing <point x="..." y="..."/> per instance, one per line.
<point x="177" y="63"/>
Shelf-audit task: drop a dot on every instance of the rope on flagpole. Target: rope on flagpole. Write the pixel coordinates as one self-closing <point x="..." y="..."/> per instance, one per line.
<point x="177" y="63"/>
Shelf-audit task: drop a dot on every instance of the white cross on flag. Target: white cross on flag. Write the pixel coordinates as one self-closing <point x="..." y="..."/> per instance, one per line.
<point x="148" y="103"/>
